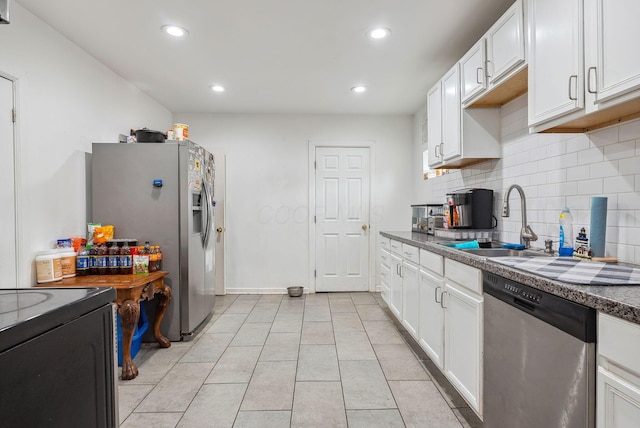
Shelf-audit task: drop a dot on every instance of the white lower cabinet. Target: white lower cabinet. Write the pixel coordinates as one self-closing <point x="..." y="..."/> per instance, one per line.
<point x="431" y="315"/>
<point x="618" y="379"/>
<point x="410" y="280"/>
<point x="395" y="287"/>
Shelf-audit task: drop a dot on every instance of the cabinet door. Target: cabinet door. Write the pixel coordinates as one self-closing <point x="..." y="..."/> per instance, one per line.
<point x="613" y="65"/>
<point x="556" y="74"/>
<point x="431" y="316"/>
<point x="472" y="72"/>
<point x="505" y="43"/>
<point x="463" y="342"/>
<point x="618" y="401"/>
<point x="410" y="281"/>
<point x="451" y="142"/>
<point x="395" y="287"/>
<point x="434" y="124"/>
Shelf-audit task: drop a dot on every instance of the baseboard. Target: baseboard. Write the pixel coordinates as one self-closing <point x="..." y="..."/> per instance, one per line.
<point x="260" y="290"/>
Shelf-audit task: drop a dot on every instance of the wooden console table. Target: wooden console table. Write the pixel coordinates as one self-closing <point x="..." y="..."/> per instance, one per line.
<point x="131" y="290"/>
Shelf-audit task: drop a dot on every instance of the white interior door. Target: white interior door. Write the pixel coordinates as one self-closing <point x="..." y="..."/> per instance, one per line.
<point x="219" y="226"/>
<point x="8" y="247"/>
<point x="342" y="219"/>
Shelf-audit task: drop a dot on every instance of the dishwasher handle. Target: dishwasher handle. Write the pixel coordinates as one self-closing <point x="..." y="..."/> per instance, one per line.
<point x="524" y="305"/>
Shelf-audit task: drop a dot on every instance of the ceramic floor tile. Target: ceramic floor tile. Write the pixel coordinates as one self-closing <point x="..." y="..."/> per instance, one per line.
<point x="281" y="347"/>
<point x="214" y="405"/>
<point x="262" y="314"/>
<point x="382" y="332"/>
<point x="227" y="323"/>
<point x="249" y="297"/>
<point x="129" y="396"/>
<point x="389" y="418"/>
<point x="318" y="404"/>
<point x="399" y="363"/>
<point x="317" y="313"/>
<point x="293" y="305"/>
<point x="338" y="296"/>
<point x="317" y="299"/>
<point x="267" y="419"/>
<point x="346" y="321"/>
<point x="287" y="323"/>
<point x="207" y="349"/>
<point x="363" y="298"/>
<point x="270" y="300"/>
<point x="155" y="420"/>
<point x="341" y="305"/>
<point x="176" y="390"/>
<point x="447" y="390"/>
<point x="271" y="386"/>
<point x="371" y="313"/>
<point x="318" y="363"/>
<point x="236" y="365"/>
<point x="364" y="386"/>
<point x="251" y="334"/>
<point x="353" y="345"/>
<point x="317" y="333"/>
<point x="421" y="405"/>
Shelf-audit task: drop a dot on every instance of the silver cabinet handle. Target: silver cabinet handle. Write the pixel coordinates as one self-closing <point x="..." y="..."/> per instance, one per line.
<point x="442" y="305"/>
<point x="436" y="294"/>
<point x="435" y="151"/>
<point x="398" y="269"/>
<point x="589" y="80"/>
<point x="488" y="74"/>
<point x="441" y="154"/>
<point x="401" y="269"/>
<point x="573" y="76"/>
<point x="479" y="81"/>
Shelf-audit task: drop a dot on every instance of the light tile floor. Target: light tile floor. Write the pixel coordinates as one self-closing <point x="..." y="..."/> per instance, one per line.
<point x="320" y="360"/>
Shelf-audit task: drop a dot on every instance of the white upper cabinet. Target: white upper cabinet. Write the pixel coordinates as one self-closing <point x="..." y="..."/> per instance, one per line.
<point x="472" y="72"/>
<point x="434" y="124"/>
<point x="612" y="61"/>
<point x="505" y="44"/>
<point x="451" y="144"/>
<point x="555" y="59"/>
<point x="584" y="70"/>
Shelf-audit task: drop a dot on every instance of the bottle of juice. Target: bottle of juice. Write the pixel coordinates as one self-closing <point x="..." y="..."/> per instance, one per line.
<point x="102" y="259"/>
<point x="126" y="259"/>
<point x="82" y="261"/>
<point x="93" y="259"/>
<point x="113" y="263"/>
<point x="153" y="259"/>
<point x="159" y="257"/>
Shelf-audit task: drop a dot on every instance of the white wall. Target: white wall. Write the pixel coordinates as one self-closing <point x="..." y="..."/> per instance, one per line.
<point x="557" y="170"/>
<point x="66" y="101"/>
<point x="267" y="189"/>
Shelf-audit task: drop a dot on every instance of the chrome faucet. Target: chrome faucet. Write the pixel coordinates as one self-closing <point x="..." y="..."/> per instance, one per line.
<point x="526" y="234"/>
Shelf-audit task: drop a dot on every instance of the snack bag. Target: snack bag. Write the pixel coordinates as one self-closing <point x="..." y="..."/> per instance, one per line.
<point x="90" y="230"/>
<point x="102" y="234"/>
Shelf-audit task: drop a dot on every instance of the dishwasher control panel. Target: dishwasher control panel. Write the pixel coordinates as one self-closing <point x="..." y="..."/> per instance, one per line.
<point x="521" y="292"/>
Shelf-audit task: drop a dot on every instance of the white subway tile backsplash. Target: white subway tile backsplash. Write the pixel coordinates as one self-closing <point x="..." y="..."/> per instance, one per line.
<point x="557" y="170"/>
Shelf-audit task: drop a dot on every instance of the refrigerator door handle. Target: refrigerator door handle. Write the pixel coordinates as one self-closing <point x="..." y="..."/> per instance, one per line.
<point x="206" y="215"/>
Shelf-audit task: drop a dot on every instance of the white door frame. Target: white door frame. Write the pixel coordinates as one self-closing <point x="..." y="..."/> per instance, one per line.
<point x="16" y="183"/>
<point x="312" y="205"/>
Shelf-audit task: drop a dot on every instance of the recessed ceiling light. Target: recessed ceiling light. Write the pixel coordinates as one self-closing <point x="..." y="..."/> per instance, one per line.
<point x="358" y="89"/>
<point x="175" y="31"/>
<point x="379" y="33"/>
<point x="217" y="88"/>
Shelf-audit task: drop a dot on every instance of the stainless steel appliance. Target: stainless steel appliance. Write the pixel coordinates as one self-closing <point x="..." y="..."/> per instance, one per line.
<point x="426" y="217"/>
<point x="4" y="11"/>
<point x="539" y="358"/>
<point x="470" y="209"/>
<point x="57" y="358"/>
<point x="163" y="193"/>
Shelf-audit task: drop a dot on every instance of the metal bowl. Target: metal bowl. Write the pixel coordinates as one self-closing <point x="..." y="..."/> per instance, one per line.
<point x="295" y="291"/>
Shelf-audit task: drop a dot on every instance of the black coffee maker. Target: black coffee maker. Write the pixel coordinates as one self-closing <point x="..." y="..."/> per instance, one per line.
<point x="470" y="209"/>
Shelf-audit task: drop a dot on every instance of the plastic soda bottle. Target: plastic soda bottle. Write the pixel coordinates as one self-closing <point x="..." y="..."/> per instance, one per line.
<point x="565" y="246"/>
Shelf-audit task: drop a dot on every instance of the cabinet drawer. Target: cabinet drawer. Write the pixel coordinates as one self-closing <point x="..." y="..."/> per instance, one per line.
<point x="385" y="274"/>
<point x="431" y="261"/>
<point x="396" y="247"/>
<point x="466" y="276"/>
<point x="619" y="341"/>
<point x="385" y="258"/>
<point x="411" y="253"/>
<point x="385" y="243"/>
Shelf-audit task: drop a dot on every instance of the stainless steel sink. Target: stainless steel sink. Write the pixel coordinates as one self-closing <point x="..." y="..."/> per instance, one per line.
<point x="503" y="252"/>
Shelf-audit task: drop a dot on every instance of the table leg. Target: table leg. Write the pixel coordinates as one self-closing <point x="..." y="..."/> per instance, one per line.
<point x="164" y="298"/>
<point x="129" y="315"/>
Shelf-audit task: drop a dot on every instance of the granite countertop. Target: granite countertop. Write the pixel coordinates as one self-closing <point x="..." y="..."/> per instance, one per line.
<point x="619" y="301"/>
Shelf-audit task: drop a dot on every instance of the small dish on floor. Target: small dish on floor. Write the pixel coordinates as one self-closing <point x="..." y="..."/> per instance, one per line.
<point x="295" y="291"/>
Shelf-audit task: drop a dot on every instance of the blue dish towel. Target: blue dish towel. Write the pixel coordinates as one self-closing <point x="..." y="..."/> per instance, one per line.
<point x="468" y="244"/>
<point x="514" y="246"/>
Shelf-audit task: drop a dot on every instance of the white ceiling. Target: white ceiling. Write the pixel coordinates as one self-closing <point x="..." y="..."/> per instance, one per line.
<point x="276" y="56"/>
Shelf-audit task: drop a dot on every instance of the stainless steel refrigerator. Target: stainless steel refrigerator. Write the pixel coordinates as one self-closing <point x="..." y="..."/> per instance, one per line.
<point x="163" y="193"/>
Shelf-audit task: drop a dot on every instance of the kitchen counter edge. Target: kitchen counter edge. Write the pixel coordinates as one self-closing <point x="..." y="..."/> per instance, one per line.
<point x="619" y="301"/>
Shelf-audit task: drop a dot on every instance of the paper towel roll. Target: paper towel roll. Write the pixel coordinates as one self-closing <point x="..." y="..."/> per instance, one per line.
<point x="598" y="225"/>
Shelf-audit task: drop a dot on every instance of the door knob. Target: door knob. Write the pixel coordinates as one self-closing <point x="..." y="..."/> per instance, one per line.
<point x="364" y="227"/>
<point x="219" y="229"/>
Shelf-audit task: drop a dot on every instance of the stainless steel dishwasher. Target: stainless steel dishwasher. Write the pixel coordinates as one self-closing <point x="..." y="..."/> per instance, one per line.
<point x="539" y="358"/>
